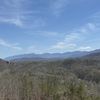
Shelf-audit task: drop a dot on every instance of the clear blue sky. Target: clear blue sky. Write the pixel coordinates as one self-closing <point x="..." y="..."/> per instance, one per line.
<point x="40" y="26"/>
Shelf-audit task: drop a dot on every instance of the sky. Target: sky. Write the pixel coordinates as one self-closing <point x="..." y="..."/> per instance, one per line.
<point x="48" y="26"/>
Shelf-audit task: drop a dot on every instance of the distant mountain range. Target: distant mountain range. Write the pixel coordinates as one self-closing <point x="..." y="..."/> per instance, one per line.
<point x="52" y="56"/>
<point x="93" y="55"/>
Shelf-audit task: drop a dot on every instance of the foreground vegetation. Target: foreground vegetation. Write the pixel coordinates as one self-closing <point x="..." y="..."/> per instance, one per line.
<point x="71" y="79"/>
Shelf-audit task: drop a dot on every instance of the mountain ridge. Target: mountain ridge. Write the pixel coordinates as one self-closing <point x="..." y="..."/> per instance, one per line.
<point x="48" y="56"/>
<point x="51" y="56"/>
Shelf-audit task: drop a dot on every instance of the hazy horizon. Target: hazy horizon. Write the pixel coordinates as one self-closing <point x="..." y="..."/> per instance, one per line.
<point x="48" y="26"/>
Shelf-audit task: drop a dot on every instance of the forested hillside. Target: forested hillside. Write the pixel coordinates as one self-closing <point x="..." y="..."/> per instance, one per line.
<point x="69" y="79"/>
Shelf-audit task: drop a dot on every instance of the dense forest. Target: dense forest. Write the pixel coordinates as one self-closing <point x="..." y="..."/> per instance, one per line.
<point x="68" y="79"/>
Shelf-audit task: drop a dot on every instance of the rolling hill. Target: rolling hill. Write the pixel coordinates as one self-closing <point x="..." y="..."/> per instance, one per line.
<point x="47" y="56"/>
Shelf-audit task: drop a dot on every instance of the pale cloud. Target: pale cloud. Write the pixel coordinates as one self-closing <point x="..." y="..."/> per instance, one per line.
<point x="95" y="16"/>
<point x="58" y="6"/>
<point x="15" y="21"/>
<point x="88" y="28"/>
<point x="68" y="42"/>
<point x="17" y="12"/>
<point x="85" y="48"/>
<point x="10" y="45"/>
<point x="30" y="49"/>
<point x="91" y="26"/>
<point x="44" y="33"/>
<point x="74" y="39"/>
<point x="34" y="49"/>
<point x="38" y="22"/>
<point x="63" y="46"/>
<point x="10" y="12"/>
<point x="47" y="33"/>
<point x="71" y="37"/>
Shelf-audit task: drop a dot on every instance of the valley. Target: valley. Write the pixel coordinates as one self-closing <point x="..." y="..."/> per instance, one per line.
<point x="66" y="79"/>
